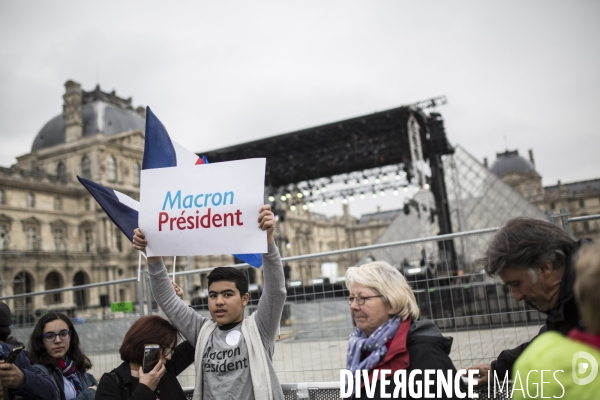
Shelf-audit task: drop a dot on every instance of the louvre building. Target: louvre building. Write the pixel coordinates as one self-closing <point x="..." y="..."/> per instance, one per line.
<point x="54" y="235"/>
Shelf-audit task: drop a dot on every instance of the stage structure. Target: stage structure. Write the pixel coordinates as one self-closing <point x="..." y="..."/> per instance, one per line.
<point x="367" y="155"/>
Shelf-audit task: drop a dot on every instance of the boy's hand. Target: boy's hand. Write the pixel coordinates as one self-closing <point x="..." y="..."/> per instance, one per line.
<point x="178" y="290"/>
<point x="266" y="222"/>
<point x="140" y="243"/>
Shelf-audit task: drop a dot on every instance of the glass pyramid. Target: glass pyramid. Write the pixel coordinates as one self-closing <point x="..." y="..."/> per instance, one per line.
<point x="478" y="199"/>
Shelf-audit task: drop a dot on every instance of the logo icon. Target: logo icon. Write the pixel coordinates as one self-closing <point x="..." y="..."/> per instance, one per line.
<point x="581" y="368"/>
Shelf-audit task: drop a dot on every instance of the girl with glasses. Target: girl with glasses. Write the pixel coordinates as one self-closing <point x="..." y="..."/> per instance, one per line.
<point x="54" y="350"/>
<point x="128" y="381"/>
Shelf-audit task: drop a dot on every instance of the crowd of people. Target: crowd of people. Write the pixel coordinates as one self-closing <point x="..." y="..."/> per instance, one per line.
<point x="233" y="354"/>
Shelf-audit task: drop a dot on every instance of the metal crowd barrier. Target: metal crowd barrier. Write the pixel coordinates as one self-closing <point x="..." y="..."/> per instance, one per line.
<point x="479" y="313"/>
<point x="331" y="391"/>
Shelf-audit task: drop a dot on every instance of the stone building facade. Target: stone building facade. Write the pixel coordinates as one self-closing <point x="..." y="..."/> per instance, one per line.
<point x="306" y="232"/>
<point x="578" y="198"/>
<point x="54" y="235"/>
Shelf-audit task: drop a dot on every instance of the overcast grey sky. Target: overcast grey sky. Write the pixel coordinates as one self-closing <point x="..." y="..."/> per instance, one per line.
<point x="517" y="74"/>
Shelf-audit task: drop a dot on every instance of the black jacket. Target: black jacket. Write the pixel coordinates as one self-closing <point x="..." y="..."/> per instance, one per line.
<point x="427" y="349"/>
<point x="35" y="384"/>
<point x="562" y="318"/>
<point x="119" y="384"/>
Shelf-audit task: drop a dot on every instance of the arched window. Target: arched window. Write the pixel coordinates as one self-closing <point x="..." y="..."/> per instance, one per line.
<point x="30" y="200"/>
<point x="81" y="296"/>
<point x="61" y="171"/>
<point x="57" y="203"/>
<point x="22" y="283"/>
<point x="86" y="171"/>
<point x="136" y="173"/>
<point x="53" y="281"/>
<point x="112" y="168"/>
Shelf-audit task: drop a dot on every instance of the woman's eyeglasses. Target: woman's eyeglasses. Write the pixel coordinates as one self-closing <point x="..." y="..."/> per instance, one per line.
<point x="167" y="351"/>
<point x="360" y="300"/>
<point x="51" y="336"/>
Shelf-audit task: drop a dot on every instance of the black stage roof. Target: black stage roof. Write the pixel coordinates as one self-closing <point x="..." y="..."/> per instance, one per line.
<point x="355" y="144"/>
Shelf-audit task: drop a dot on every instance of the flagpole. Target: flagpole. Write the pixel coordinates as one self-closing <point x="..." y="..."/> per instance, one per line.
<point x="174" y="262"/>
<point x="139" y="265"/>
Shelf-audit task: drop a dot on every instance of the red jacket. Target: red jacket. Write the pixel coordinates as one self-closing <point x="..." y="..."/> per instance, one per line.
<point x="397" y="355"/>
<point x="416" y="346"/>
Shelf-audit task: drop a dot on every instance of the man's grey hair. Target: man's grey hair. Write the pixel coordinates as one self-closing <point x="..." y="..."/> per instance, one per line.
<point x="527" y="243"/>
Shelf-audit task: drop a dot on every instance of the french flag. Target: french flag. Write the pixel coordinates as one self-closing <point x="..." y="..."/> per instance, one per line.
<point x="121" y="209"/>
<point x="159" y="152"/>
<point x="162" y="152"/>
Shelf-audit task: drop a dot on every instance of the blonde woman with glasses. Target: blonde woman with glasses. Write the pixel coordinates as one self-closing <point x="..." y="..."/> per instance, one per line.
<point x="387" y="335"/>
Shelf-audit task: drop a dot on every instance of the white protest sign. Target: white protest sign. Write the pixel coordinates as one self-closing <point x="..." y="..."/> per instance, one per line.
<point x="203" y="209"/>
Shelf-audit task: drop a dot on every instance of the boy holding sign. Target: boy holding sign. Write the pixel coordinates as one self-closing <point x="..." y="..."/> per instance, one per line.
<point x="234" y="355"/>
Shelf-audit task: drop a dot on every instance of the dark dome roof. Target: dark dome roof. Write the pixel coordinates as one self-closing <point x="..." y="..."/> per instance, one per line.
<point x="511" y="161"/>
<point x="102" y="113"/>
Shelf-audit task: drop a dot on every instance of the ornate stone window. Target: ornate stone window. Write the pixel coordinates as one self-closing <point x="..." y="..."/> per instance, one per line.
<point x="61" y="171"/>
<point x="2" y="199"/>
<point x="118" y="239"/>
<point x="89" y="238"/>
<point x="86" y="204"/>
<point x="86" y="233"/>
<point x="31" y="226"/>
<point x="30" y="200"/>
<point x="58" y="203"/>
<point x="5" y="223"/>
<point x="111" y="165"/>
<point x="59" y="231"/>
<point x="59" y="239"/>
<point x="31" y="234"/>
<point x="136" y="173"/>
<point x="86" y="171"/>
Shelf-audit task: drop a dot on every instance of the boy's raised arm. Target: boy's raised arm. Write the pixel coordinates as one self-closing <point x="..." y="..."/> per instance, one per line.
<point x="272" y="300"/>
<point x="184" y="318"/>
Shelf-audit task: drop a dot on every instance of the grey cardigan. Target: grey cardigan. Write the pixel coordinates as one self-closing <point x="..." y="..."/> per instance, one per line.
<point x="262" y="324"/>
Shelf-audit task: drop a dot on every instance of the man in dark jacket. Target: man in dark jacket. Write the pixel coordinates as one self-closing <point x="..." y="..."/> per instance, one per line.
<point x="19" y="378"/>
<point x="534" y="258"/>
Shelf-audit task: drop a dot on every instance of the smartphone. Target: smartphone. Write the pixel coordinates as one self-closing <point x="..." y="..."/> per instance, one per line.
<point x="14" y="353"/>
<point x="151" y="357"/>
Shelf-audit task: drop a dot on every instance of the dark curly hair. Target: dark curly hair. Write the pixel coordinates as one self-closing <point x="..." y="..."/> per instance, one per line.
<point x="37" y="350"/>
<point x="527" y="243"/>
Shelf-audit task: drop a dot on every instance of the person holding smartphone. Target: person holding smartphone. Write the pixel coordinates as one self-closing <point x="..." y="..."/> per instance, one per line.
<point x="151" y="363"/>
<point x="54" y="350"/>
<point x="234" y="355"/>
<point x="17" y="376"/>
